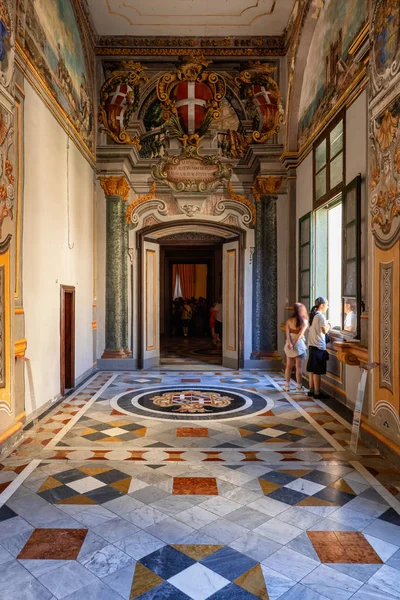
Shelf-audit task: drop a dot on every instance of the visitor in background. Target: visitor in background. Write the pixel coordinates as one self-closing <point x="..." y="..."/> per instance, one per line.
<point x="213" y="314"/>
<point x="295" y="345"/>
<point x="350" y="321"/>
<point x="218" y="320"/>
<point x="318" y="356"/>
<point x="186" y="317"/>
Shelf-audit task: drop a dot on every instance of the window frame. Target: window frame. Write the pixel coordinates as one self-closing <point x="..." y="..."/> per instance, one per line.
<point x="325" y="135"/>
<point x="310" y="244"/>
<point x="354" y="184"/>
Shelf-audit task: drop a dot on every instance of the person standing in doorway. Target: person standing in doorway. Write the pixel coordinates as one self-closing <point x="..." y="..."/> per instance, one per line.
<point x="218" y="320"/>
<point x="318" y="356"/>
<point x="186" y="317"/>
<point x="295" y="346"/>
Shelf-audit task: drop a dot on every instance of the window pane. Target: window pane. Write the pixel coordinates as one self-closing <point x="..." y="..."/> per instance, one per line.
<point x="305" y="231"/>
<point x="336" y="139"/>
<point x="351" y="205"/>
<point x="321" y="253"/>
<point x="320" y="184"/>
<point x="351" y="246"/>
<point x="305" y="283"/>
<point x="350" y="280"/>
<point x="320" y="156"/>
<point x="336" y="171"/>
<point x="305" y="258"/>
<point x="350" y="315"/>
<point x="335" y="265"/>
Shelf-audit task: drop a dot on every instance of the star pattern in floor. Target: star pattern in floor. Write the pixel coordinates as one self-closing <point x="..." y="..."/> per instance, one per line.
<point x="95" y="503"/>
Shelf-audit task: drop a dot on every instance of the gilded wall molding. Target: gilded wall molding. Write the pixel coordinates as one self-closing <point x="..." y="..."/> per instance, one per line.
<point x="20" y="348"/>
<point x="227" y="52"/>
<point x="115" y="185"/>
<point x="141" y="200"/>
<point x="386" y="323"/>
<point x="268" y="185"/>
<point x="242" y="200"/>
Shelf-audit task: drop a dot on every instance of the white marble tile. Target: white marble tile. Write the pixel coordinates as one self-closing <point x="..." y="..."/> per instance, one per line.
<point x="269" y="506"/>
<point x="331" y="583"/>
<point x="145" y="516"/>
<point x="107" y="560"/>
<point x="299" y="518"/>
<point x="304" y="486"/>
<point x="351" y="517"/>
<point x="276" y="530"/>
<point x="115" y="529"/>
<point x="220" y="506"/>
<point x="367" y="507"/>
<point x="360" y="572"/>
<point x="288" y="561"/>
<point x="256" y="546"/>
<point x="387" y="579"/>
<point x="196" y="517"/>
<point x="139" y="544"/>
<point x="94" y="515"/>
<point x="121" y="581"/>
<point x="67" y="579"/>
<point x="224" y="531"/>
<point x="277" y="584"/>
<point x="170" y="530"/>
<point x="367" y="592"/>
<point x="198" y="582"/>
<point x="384" y="531"/>
<point x="321" y="511"/>
<point x="383" y="549"/>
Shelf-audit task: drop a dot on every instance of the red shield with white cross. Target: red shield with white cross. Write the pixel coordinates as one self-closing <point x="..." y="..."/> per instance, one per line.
<point x="266" y="106"/>
<point x="118" y="102"/>
<point x="190" y="98"/>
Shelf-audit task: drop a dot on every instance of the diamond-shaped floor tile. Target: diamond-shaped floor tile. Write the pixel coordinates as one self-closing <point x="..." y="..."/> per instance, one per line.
<point x="198" y="582"/>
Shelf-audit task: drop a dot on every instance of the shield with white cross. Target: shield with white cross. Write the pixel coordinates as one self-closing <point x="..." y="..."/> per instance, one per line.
<point x="120" y="100"/>
<point x="190" y="99"/>
<point x="266" y="104"/>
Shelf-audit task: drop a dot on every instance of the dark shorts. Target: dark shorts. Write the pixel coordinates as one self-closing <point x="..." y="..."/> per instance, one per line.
<point x="317" y="360"/>
<point x="218" y="327"/>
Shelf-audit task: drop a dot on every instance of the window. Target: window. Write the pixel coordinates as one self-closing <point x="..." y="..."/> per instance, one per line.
<point x="305" y="258"/>
<point x="328" y="258"/>
<point x="329" y="162"/>
<point x="351" y="270"/>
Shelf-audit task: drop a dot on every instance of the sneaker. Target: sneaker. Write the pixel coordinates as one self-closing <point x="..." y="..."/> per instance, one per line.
<point x="310" y="394"/>
<point x="286" y="388"/>
<point x="321" y="396"/>
<point x="299" y="389"/>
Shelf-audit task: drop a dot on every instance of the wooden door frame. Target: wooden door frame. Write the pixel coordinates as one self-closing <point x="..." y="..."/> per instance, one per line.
<point x="239" y="234"/>
<point x="66" y="289"/>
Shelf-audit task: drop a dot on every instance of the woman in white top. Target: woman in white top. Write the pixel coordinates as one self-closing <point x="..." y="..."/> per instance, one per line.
<point x="295" y="346"/>
<point x="318" y="355"/>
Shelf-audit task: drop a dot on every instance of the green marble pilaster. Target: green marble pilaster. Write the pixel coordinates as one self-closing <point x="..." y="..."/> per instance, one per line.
<point x="116" y="191"/>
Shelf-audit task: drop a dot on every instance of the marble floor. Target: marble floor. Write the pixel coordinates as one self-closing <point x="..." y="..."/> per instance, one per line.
<point x="190" y="352"/>
<point x="196" y="485"/>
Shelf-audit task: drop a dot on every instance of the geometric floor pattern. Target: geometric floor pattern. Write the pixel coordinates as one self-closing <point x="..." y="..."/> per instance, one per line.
<point x="97" y="505"/>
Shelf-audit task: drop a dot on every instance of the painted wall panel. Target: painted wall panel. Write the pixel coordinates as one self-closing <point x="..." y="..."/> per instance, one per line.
<point x="55" y="252"/>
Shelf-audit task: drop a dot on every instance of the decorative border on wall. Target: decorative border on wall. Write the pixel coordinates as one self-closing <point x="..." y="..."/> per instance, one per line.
<point x="151" y="298"/>
<point x="231" y="268"/>
<point x="386" y="320"/>
<point x="228" y="52"/>
<point x="5" y="326"/>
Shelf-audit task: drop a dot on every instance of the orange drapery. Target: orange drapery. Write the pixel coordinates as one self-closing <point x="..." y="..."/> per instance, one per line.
<point x="186" y="277"/>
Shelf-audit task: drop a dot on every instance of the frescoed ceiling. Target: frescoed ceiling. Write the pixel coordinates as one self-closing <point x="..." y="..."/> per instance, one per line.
<point x="191" y="17"/>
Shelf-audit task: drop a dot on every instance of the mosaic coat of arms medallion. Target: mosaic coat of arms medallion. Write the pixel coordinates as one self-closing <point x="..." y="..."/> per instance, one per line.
<point x="190" y="401"/>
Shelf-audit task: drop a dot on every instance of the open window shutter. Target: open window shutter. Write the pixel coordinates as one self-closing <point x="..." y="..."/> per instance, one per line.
<point x="305" y="264"/>
<point x="351" y="250"/>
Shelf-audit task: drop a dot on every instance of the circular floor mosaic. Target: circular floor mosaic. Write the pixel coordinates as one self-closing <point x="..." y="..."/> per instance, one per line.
<point x="188" y="403"/>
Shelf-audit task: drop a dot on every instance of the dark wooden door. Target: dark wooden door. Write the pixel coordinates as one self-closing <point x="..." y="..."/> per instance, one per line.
<point x="67" y="338"/>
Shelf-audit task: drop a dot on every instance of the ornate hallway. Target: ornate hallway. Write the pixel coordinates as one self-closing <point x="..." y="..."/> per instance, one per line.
<point x="195" y="485"/>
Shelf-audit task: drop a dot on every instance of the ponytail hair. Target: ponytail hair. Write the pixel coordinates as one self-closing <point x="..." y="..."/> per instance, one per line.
<point x="314" y="310"/>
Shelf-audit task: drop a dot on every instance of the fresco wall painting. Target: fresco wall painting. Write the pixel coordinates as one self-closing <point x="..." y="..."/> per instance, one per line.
<point x="327" y="78"/>
<point x="50" y="34"/>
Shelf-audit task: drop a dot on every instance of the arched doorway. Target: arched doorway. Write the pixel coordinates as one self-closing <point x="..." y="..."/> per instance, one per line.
<point x="153" y="282"/>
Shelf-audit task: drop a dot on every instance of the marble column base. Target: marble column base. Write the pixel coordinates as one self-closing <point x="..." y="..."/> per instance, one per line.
<point x="114" y="354"/>
<point x="128" y="352"/>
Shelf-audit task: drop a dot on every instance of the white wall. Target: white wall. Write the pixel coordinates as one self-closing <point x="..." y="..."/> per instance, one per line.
<point x="47" y="260"/>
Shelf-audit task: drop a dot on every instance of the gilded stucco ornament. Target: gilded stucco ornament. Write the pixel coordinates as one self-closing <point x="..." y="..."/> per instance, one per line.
<point x="384" y="175"/>
<point x="119" y="98"/>
<point x="268" y="185"/>
<point x="385" y="46"/>
<point x="191" y="98"/>
<point x="115" y="185"/>
<point x="190" y="172"/>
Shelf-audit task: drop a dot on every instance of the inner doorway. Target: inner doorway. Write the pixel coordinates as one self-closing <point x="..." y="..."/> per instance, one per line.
<point x="67" y="338"/>
<point x="190" y="286"/>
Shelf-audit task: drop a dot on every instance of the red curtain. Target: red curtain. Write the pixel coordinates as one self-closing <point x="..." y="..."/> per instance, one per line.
<point x="186" y="277"/>
<point x="174" y="274"/>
